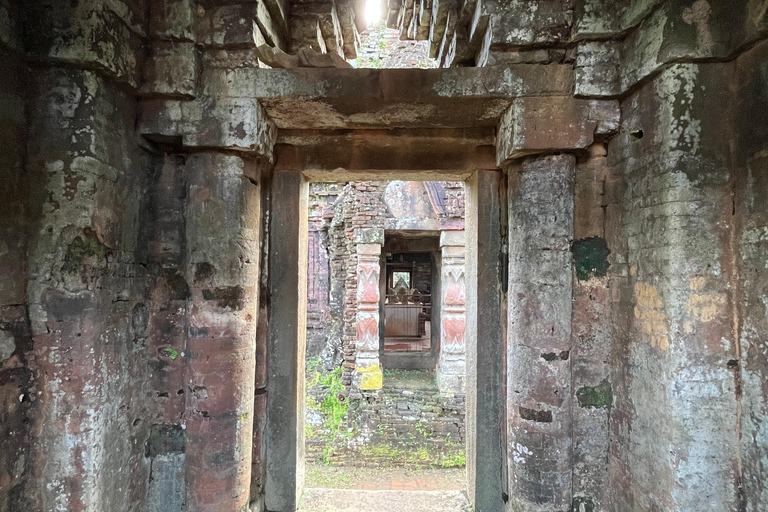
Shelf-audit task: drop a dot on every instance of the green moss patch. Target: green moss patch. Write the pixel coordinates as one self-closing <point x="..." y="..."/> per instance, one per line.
<point x="598" y="397"/>
<point x="82" y="248"/>
<point x="590" y="257"/>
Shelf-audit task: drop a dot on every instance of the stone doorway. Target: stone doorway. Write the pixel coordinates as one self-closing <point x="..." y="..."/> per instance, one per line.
<point x="285" y="431"/>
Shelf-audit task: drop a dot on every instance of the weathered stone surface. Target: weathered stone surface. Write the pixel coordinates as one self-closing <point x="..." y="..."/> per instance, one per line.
<point x="477" y="96"/>
<point x="328" y="21"/>
<point x="68" y="33"/>
<point x="229" y="123"/>
<point x="287" y="337"/>
<point x="276" y="58"/>
<point x="222" y="230"/>
<point x="272" y="31"/>
<point x="597" y="69"/>
<point x="525" y="23"/>
<point x="7" y="345"/>
<point x="591" y="333"/>
<point x="540" y="291"/>
<point x="172" y="19"/>
<point x="349" y="31"/>
<point x="126" y="272"/>
<point x="308" y="58"/>
<point x="752" y="246"/>
<point x="171" y="69"/>
<point x="703" y="29"/>
<point x="395" y="150"/>
<point x="545" y="124"/>
<point x="305" y="33"/>
<point x="486" y="459"/>
<point x="497" y="58"/>
<point x="680" y="336"/>
<point x="84" y="287"/>
<point x="227" y="25"/>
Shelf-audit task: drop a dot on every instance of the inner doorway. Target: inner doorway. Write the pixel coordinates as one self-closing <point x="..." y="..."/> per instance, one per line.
<point x="376" y="416"/>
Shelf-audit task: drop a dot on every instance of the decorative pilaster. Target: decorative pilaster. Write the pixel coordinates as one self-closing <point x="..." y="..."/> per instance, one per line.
<point x="369" y="243"/>
<point x="451" y="370"/>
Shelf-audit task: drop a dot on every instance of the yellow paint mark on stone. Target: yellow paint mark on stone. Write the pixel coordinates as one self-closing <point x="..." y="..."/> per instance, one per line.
<point x="649" y="311"/>
<point x="704" y="306"/>
<point x="696" y="283"/>
<point x="370" y="377"/>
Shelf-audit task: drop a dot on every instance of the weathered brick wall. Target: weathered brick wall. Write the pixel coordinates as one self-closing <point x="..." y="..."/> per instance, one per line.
<point x="397" y="425"/>
<point x="686" y="285"/>
<point x="88" y="292"/>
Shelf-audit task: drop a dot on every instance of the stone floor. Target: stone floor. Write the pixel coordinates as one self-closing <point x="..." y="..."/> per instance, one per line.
<point x="347" y="500"/>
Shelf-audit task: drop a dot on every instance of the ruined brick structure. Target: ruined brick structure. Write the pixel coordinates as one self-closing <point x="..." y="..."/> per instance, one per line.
<point x="153" y="250"/>
<point x="337" y="217"/>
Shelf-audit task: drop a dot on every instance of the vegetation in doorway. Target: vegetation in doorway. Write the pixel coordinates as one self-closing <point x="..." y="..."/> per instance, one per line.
<point x="406" y="424"/>
<point x="326" y="404"/>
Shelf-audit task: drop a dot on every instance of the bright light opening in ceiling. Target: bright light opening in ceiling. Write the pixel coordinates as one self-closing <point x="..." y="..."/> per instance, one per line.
<point x="372" y="12"/>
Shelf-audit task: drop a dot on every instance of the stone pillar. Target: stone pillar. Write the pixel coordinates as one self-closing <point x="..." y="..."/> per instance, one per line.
<point x="539" y="333"/>
<point x="284" y="433"/>
<point x="223" y="224"/>
<point x="485" y="344"/>
<point x="368" y="370"/>
<point x="452" y="363"/>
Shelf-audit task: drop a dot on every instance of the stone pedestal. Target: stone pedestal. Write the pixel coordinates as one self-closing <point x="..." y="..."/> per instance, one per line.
<point x="451" y="367"/>
<point x="368" y="370"/>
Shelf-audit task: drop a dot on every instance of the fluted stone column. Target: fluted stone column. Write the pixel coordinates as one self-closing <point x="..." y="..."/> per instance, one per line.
<point x="368" y="370"/>
<point x="451" y="368"/>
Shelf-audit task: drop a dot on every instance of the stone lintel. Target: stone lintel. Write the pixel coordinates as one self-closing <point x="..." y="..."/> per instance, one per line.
<point x="454" y="149"/>
<point x="401" y="98"/>
<point x="552" y="124"/>
<point x="366" y="236"/>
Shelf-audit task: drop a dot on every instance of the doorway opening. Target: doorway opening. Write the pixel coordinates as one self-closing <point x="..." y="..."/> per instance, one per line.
<point x="337" y="415"/>
<point x="374" y="270"/>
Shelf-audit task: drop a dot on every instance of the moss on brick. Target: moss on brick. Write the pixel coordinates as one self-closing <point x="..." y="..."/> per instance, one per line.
<point x="81" y="248"/>
<point x="597" y="397"/>
<point x="590" y="257"/>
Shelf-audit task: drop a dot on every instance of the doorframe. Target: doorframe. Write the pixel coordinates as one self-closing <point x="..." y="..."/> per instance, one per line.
<point x="485" y="347"/>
